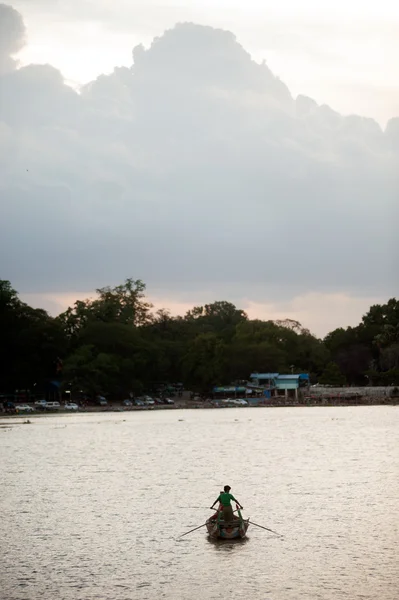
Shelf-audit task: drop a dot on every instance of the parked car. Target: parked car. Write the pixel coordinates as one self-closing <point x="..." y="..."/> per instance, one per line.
<point x="101" y="401"/>
<point x="9" y="406"/>
<point x="148" y="400"/>
<point x="41" y="404"/>
<point x="127" y="403"/>
<point x="71" y="406"/>
<point x="24" y="408"/>
<point x="138" y="402"/>
<point x="168" y="401"/>
<point x="240" y="402"/>
<point x="52" y="406"/>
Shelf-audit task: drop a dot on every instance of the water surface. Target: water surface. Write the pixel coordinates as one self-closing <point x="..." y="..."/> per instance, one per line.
<point x="92" y="505"/>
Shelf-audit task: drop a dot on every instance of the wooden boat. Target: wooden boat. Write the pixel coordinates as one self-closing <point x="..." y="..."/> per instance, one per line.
<point x="218" y="529"/>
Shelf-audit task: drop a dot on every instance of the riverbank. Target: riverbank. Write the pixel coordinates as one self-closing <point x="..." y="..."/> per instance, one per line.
<point x="181" y="405"/>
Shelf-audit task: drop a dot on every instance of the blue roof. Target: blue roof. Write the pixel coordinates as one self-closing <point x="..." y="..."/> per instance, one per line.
<point x="229" y="388"/>
<point x="264" y="375"/>
<point x="294" y="376"/>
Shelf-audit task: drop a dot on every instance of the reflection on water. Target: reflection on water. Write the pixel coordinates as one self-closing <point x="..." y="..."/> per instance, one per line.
<point x="227" y="545"/>
<point x="93" y="505"/>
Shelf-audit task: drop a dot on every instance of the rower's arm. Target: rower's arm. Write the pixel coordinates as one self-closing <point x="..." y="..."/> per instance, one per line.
<point x="216" y="501"/>
<point x="239" y="503"/>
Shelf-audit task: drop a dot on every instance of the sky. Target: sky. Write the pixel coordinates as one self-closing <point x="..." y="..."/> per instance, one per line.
<point x="216" y="150"/>
<point x="341" y="53"/>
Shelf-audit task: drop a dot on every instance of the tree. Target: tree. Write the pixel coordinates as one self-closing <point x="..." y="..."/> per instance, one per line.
<point x="380" y="315"/>
<point x="389" y="357"/>
<point x="310" y="355"/>
<point x="30" y="343"/>
<point x="124" y="346"/>
<point x="124" y="304"/>
<point x="114" y="343"/>
<point x="92" y="372"/>
<point x="275" y="346"/>
<point x="332" y="375"/>
<point x="352" y="350"/>
<point x="292" y="325"/>
<point x="219" y="317"/>
<point x="371" y="347"/>
<point x="204" y="363"/>
<point x="245" y="358"/>
<point x="9" y="300"/>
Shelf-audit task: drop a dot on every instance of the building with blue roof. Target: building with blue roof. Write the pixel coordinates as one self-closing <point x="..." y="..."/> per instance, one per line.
<point x="278" y="384"/>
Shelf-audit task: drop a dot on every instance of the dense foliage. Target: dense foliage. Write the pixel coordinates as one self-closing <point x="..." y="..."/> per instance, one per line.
<point x="116" y="344"/>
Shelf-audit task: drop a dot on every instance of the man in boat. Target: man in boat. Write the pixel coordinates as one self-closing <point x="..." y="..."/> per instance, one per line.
<point x="225" y="499"/>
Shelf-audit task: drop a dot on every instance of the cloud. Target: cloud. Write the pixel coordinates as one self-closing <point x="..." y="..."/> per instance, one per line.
<point x="12" y="37"/>
<point x="196" y="170"/>
<point x="315" y="49"/>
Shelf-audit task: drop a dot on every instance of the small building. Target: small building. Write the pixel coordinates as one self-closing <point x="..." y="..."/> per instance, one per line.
<point x="264" y="380"/>
<point x="278" y="384"/>
<point x="291" y="384"/>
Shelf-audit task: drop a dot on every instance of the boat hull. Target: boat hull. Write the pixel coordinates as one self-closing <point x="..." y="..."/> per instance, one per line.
<point x="230" y="531"/>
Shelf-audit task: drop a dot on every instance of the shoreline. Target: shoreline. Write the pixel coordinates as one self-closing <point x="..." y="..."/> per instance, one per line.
<point x="116" y="408"/>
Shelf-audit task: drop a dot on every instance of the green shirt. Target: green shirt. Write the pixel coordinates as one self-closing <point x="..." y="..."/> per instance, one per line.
<point x="225" y="499"/>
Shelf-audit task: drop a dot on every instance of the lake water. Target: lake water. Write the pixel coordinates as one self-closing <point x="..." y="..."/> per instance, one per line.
<point x="92" y="505"/>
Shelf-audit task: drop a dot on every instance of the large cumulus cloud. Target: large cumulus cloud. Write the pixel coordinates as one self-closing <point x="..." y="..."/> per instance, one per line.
<point x="196" y="170"/>
<point x="12" y="37"/>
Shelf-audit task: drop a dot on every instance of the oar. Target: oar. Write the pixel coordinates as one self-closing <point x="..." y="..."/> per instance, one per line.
<point x="191" y="530"/>
<point x="267" y="529"/>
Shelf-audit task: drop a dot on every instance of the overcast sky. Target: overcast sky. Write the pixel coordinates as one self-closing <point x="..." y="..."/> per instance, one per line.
<point x="196" y="167"/>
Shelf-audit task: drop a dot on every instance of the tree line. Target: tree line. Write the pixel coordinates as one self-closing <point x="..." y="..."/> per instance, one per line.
<point x="116" y="344"/>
